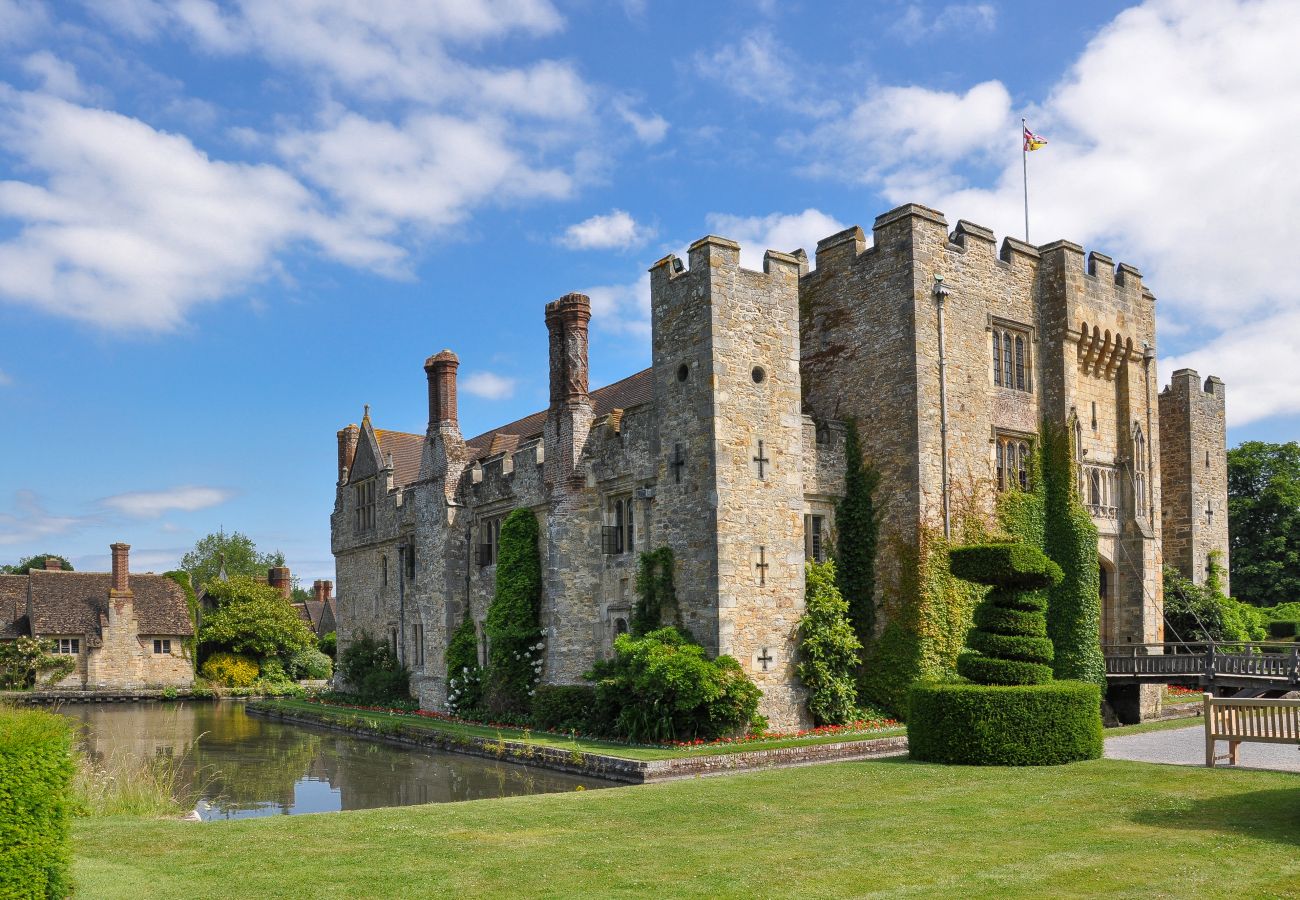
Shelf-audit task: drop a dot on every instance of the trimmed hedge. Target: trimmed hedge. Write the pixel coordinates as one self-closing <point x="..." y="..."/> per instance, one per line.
<point x="1018" y="725"/>
<point x="1283" y="629"/>
<point x="35" y="789"/>
<point x="564" y="707"/>
<point x="1015" y="566"/>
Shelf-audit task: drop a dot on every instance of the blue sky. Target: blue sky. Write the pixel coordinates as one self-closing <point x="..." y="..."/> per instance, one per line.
<point x="225" y="227"/>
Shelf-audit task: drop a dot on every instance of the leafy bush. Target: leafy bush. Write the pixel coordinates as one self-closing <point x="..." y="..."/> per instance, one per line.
<point x="464" y="676"/>
<point x="370" y="668"/>
<point x="662" y="687"/>
<point x="36" y="771"/>
<point x="1005" y="725"/>
<point x="1283" y="629"/>
<point x="26" y="662"/>
<point x="858" y="524"/>
<point x="655" y="592"/>
<point x="329" y="644"/>
<point x="310" y="663"/>
<point x="230" y="670"/>
<point x="828" y="649"/>
<point x="564" y="707"/>
<point x="514" y="634"/>
<point x="1200" y="612"/>
<point x="1289" y="612"/>
<point x="1008" y="644"/>
<point x="253" y="619"/>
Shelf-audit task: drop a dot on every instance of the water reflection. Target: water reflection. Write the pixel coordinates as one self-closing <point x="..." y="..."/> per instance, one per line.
<point x="242" y="766"/>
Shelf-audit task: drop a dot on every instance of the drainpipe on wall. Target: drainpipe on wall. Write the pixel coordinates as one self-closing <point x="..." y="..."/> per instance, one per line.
<point x="940" y="295"/>
<point x="401" y="604"/>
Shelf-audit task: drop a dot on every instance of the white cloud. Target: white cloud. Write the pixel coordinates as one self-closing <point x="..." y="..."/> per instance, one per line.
<point x="785" y="232"/>
<point x="19" y="20"/>
<point x="649" y="129"/>
<point x="614" y="230"/>
<point x="151" y="504"/>
<point x="622" y="308"/>
<point x="488" y="385"/>
<point x="955" y="18"/>
<point x="755" y="67"/>
<point x="31" y="521"/>
<point x="133" y="227"/>
<point x="1169" y="140"/>
<point x="56" y="76"/>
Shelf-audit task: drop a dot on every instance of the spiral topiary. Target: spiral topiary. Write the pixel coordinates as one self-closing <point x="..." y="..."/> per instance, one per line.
<point x="1009" y="644"/>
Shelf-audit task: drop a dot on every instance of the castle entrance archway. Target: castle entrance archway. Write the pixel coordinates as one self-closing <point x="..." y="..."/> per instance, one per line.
<point x="1106" y="589"/>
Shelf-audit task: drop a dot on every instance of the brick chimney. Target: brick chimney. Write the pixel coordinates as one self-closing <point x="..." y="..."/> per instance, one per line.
<point x="441" y="372"/>
<point x="348" y="437"/>
<point x="279" y="578"/>
<point x="121" y="583"/>
<point x="52" y="564"/>
<point x="568" y="421"/>
<point x="321" y="589"/>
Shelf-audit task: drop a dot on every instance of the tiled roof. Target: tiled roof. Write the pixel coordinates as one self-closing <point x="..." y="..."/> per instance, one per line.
<point x="13" y="606"/>
<point x="313" y="610"/>
<point x="631" y="391"/>
<point x="406" y="450"/>
<point x="71" y="602"/>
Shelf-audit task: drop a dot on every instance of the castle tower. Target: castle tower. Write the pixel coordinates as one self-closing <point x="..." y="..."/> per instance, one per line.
<point x="1194" y="468"/>
<point x="730" y="496"/>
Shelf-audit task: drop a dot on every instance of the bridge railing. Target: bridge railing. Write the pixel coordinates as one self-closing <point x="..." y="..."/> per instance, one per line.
<point x="1267" y="661"/>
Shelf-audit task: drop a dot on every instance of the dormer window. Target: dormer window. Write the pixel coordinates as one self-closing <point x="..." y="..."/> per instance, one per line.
<point x="365" y="505"/>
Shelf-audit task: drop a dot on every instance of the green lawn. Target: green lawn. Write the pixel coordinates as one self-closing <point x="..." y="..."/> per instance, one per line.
<point x="585" y="745"/>
<point x="888" y="827"/>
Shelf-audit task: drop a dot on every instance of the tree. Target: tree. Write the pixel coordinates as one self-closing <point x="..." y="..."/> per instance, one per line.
<point x="253" y="619"/>
<point x="828" y="649"/>
<point x="1264" y="522"/>
<point x="857" y="523"/>
<point x="235" y="551"/>
<point x="25" y="565"/>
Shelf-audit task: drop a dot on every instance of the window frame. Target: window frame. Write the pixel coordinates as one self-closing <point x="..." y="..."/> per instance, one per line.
<point x="1012" y="451"/>
<point x="162" y="647"/>
<point x="67" y="646"/>
<point x="363" y="497"/>
<point x="1013" y="354"/>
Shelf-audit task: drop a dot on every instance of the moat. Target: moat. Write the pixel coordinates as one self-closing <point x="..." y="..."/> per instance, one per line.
<point x="241" y="766"/>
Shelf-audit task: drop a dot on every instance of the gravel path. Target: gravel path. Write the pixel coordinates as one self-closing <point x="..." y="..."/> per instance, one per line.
<point x="1186" y="747"/>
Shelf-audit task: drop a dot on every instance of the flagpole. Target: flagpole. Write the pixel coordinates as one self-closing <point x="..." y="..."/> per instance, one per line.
<point x="1024" y="166"/>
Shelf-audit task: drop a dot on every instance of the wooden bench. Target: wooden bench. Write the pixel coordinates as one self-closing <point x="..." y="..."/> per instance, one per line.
<point x="1256" y="720"/>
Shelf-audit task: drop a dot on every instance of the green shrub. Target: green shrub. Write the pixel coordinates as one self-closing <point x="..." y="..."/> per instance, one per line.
<point x="36" y="771"/>
<point x="310" y="663"/>
<point x="464" y="677"/>
<point x="1007" y="646"/>
<point x="27" y="662"/>
<point x="515" y="642"/>
<point x="370" y="668"/>
<point x="857" y="522"/>
<point x="564" y="707"/>
<point x="662" y="687"/>
<point x="230" y="670"/>
<point x="1012" y="725"/>
<point x="329" y="644"/>
<point x="1283" y="629"/>
<point x="253" y="619"/>
<point x="656" y="594"/>
<point x="1200" y="612"/>
<point x="1289" y="612"/>
<point x="828" y="649"/>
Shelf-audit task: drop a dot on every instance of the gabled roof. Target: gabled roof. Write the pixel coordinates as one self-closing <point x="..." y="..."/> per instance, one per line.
<point x="406" y="450"/>
<point x="71" y="603"/>
<point x="13" y="606"/>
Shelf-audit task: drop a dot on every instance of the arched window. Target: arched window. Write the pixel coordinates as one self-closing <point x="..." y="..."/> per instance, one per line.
<point x="1000" y="469"/>
<point x="1020" y="363"/>
<point x="1022" y="465"/>
<point x="1006" y="360"/>
<point x="997" y="358"/>
<point x="1139" y="472"/>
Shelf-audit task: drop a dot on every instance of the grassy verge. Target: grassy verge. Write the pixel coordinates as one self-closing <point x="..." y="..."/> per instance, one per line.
<point x="850" y="829"/>
<point x="1144" y="727"/>
<point x="563" y="742"/>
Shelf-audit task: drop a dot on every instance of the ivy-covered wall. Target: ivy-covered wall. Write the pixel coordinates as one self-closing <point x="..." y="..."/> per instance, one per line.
<point x="512" y="625"/>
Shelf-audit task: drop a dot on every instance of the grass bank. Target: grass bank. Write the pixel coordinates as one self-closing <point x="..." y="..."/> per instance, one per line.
<point x="376" y="720"/>
<point x="850" y="829"/>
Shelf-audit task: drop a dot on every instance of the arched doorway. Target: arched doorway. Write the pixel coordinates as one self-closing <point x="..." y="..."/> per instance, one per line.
<point x="1107" y="594"/>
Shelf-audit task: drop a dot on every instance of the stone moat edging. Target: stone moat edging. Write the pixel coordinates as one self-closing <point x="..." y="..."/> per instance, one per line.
<point x="612" y="768"/>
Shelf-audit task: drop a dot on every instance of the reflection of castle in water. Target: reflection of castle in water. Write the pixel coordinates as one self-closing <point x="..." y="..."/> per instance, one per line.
<point x="245" y="766"/>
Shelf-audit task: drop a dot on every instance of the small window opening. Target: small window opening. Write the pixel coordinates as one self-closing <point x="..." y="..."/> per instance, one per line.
<point x="683" y="372"/>
<point x="758" y="375"/>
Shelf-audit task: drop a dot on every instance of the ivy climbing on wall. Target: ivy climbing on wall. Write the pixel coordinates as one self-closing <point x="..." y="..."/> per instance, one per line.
<point x="656" y="595"/>
<point x="857" y="526"/>
<point x="512" y="625"/>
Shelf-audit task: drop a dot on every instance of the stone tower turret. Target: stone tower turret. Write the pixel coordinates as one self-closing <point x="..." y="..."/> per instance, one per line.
<point x="1194" y="468"/>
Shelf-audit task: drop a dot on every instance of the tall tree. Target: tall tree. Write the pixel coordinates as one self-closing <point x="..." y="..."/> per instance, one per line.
<point x="235" y="551"/>
<point x="1264" y="522"/>
<point x="23" y="566"/>
<point x="857" y="525"/>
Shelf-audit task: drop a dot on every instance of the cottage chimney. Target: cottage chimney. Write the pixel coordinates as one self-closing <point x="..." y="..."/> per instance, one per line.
<point x="279" y="578"/>
<point x="441" y="372"/>
<point x="318" y="590"/>
<point x="568" y="421"/>
<point x="348" y="437"/>
<point x="52" y="564"/>
<point x="121" y="583"/>
<point x="327" y="589"/>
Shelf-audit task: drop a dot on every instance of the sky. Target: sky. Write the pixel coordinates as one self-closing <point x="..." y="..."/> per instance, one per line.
<point x="224" y="227"/>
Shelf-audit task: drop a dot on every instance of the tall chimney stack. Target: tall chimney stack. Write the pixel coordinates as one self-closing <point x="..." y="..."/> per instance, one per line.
<point x="348" y="437"/>
<point x="279" y="578"/>
<point x="441" y="372"/>
<point x="566" y="321"/>
<point x="121" y="583"/>
<point x="52" y="564"/>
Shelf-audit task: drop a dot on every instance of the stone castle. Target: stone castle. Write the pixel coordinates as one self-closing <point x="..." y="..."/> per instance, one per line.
<point x="729" y="449"/>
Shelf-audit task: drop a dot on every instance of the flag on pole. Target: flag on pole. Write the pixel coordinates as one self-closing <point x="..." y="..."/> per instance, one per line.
<point x="1034" y="141"/>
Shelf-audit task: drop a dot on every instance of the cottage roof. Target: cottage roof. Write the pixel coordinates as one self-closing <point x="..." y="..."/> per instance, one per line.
<point x="71" y="603"/>
<point x="406" y="450"/>
<point x="13" y="606"/>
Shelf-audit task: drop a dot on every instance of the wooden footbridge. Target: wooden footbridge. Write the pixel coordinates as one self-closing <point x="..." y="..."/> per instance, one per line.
<point x="1246" y="668"/>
